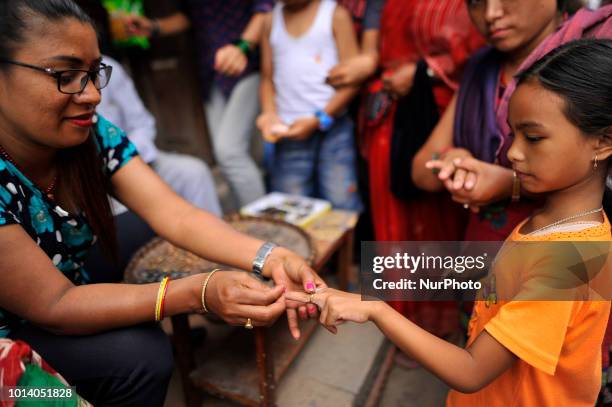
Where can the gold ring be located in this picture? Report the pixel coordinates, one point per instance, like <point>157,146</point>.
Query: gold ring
<point>311,298</point>
<point>249,324</point>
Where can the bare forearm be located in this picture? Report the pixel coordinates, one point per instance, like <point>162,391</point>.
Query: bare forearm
<point>173,24</point>
<point>88,309</point>
<point>254,29</point>
<point>340,100</point>
<point>267,96</point>
<point>452,364</point>
<point>211,238</point>
<point>369,43</point>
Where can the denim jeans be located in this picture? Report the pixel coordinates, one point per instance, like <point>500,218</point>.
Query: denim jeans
<point>322,166</point>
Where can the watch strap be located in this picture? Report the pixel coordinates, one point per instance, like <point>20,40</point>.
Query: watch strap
<point>261,256</point>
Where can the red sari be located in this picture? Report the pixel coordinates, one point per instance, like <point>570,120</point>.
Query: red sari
<point>440,33</point>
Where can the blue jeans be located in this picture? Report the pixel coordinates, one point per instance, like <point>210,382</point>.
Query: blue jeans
<point>322,166</point>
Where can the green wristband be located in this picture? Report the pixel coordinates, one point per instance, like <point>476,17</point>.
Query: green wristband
<point>243,45</point>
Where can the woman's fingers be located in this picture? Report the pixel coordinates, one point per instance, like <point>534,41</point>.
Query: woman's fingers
<point>297,296</point>
<point>292,321</point>
<point>260,296</point>
<point>265,315</point>
<point>470,181</point>
<point>302,312</point>
<point>459,178</point>
<point>312,310</point>
<point>468,164</point>
<point>319,298</point>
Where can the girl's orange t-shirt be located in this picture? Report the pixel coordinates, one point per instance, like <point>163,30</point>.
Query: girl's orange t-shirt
<point>558,343</point>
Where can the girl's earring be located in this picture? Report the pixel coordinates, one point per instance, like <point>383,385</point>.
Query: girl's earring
<point>595,162</point>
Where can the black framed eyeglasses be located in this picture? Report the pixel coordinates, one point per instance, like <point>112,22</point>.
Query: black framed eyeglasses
<point>72,81</point>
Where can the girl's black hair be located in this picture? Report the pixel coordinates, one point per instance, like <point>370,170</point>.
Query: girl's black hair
<point>80,174</point>
<point>580,72</point>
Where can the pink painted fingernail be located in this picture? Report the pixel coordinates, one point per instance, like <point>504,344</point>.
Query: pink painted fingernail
<point>311,309</point>
<point>310,286</point>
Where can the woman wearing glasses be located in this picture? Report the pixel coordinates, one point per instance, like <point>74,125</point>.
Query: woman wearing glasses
<point>58,161</point>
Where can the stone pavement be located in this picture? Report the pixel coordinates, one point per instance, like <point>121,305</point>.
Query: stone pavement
<point>337,371</point>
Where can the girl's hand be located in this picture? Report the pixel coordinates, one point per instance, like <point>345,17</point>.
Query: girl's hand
<point>398,82</point>
<point>336,306</point>
<point>236,296</point>
<point>291,271</point>
<point>271,126</point>
<point>482,184</point>
<point>353,71</point>
<point>230,60</point>
<point>301,129</point>
<point>451,176</point>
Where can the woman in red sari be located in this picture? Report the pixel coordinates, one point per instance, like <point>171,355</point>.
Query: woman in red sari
<point>441,35</point>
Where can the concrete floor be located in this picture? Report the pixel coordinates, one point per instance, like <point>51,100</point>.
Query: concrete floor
<point>337,371</point>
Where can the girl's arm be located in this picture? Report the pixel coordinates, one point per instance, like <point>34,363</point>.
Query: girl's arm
<point>357,69</point>
<point>254,31</point>
<point>467,370</point>
<point>266,87</point>
<point>268,117</point>
<point>346,43</point>
<point>173,24</point>
<point>230,59</point>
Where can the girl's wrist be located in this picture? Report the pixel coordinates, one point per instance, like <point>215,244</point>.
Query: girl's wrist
<point>376,310</point>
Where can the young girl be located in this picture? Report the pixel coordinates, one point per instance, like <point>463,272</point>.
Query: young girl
<point>472,128</point>
<point>306,117</point>
<point>529,353</point>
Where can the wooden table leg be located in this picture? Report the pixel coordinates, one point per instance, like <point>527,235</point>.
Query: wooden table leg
<point>345,260</point>
<point>185,360</point>
<point>265,365</point>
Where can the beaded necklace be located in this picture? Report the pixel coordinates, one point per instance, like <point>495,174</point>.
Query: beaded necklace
<point>48,191</point>
<point>564,220</point>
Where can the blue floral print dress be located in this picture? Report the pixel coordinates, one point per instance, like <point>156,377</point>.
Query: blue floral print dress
<point>65,237</point>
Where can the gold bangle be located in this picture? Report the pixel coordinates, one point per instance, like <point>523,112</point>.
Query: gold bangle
<point>516,187</point>
<point>160,295</point>
<point>204,285</point>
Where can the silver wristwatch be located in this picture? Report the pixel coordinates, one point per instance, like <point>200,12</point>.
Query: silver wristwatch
<point>260,259</point>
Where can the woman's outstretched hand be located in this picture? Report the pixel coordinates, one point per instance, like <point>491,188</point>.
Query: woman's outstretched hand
<point>291,271</point>
<point>236,296</point>
<point>336,306</point>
